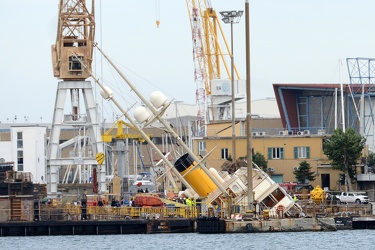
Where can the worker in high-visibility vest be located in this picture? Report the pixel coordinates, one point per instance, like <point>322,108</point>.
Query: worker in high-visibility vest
<point>188,202</point>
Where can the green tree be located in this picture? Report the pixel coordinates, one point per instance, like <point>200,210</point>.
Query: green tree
<point>344,149</point>
<point>259,160</point>
<point>370,161</point>
<point>304,173</point>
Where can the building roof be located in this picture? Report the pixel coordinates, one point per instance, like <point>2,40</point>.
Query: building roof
<point>314,106</point>
<point>264,108</point>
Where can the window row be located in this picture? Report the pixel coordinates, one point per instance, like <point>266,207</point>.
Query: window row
<point>299,153</point>
<point>276,153</point>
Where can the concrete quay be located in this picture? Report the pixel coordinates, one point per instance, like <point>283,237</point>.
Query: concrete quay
<point>271,225</point>
<point>281,225</point>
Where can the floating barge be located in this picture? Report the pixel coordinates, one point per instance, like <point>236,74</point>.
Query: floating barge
<point>131,226</point>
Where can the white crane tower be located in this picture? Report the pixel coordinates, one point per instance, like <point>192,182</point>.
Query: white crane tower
<point>73,48</point>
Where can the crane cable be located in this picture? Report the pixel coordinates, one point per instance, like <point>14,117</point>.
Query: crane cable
<point>157,12</point>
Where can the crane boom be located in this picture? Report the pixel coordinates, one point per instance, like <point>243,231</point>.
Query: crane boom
<point>207,56</point>
<point>200,73</point>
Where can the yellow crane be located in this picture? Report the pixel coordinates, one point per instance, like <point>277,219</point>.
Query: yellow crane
<point>121,166</point>
<point>207,55</point>
<point>120,135</point>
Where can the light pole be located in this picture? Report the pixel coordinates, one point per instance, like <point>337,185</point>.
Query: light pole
<point>249,156</point>
<point>232,17</point>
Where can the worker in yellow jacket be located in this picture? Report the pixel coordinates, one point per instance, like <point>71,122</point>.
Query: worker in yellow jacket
<point>188,202</point>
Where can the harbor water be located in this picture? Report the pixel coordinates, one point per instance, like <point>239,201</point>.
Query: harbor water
<point>344,239</point>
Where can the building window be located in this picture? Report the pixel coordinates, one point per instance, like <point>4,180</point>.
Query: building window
<point>20,160</point>
<point>301,152</point>
<point>303,112</point>
<point>75,63</point>
<point>275,153</point>
<point>324,141</point>
<point>19,140</point>
<point>202,148</point>
<point>157,140</point>
<point>224,153</point>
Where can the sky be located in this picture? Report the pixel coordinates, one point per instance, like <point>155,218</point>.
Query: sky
<point>292,41</point>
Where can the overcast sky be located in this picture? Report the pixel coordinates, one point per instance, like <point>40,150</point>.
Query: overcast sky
<point>292,41</point>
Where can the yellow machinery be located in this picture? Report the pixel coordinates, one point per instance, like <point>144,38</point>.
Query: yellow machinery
<point>318,195</point>
<point>266,214</point>
<point>122,169</point>
<point>197,178</point>
<point>107,137</point>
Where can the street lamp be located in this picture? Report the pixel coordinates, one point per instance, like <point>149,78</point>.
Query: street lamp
<point>249,139</point>
<point>232,17</point>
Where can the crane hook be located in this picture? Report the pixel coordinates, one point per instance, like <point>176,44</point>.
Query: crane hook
<point>157,12</point>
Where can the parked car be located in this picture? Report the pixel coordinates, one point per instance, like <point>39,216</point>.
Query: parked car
<point>353,197</point>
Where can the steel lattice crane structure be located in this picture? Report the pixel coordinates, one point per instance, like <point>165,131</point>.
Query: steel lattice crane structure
<point>208,58</point>
<point>72,55</point>
<point>362,85</point>
<point>74,40</point>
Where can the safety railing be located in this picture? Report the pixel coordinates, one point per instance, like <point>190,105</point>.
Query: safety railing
<point>72,212</point>
<point>142,212</point>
